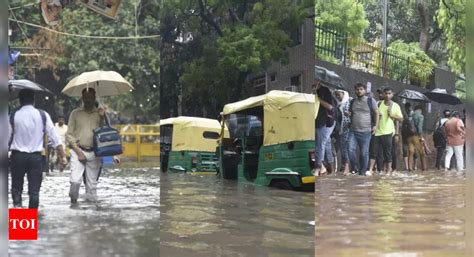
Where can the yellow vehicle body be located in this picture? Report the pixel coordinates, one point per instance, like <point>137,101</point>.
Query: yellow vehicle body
<point>288,116</point>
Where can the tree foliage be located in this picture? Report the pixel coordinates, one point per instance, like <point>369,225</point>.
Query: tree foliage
<point>414,54</point>
<point>347,16</point>
<point>410,21</point>
<point>136,60</point>
<point>209,48</point>
<point>451,17</point>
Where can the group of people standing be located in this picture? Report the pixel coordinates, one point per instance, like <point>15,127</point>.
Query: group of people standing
<point>366,133</point>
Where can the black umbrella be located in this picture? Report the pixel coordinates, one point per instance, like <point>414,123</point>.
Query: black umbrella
<point>15,86</point>
<point>329,78</point>
<point>413,95</point>
<point>440,95</point>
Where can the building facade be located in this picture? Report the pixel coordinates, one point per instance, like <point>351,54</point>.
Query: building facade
<point>298,74</point>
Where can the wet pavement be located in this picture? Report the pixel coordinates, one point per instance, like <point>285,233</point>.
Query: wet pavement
<point>125,221</point>
<point>403,215</point>
<point>203,215</point>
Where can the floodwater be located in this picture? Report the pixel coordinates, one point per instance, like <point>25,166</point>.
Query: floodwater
<point>125,221</point>
<point>403,215</point>
<point>203,215</point>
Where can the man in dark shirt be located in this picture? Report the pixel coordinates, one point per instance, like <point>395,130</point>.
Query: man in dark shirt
<point>325,124</point>
<point>416,141</point>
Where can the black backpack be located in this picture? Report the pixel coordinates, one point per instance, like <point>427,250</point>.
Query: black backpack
<point>408,127</point>
<point>439,136</point>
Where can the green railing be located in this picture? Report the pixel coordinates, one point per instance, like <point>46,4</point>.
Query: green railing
<point>337,47</point>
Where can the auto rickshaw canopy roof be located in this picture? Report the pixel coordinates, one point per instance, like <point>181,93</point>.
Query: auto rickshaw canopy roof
<point>287,116</point>
<point>188,133</point>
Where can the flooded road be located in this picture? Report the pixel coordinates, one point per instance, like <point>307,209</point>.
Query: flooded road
<point>403,215</point>
<point>206,216</point>
<point>125,221</point>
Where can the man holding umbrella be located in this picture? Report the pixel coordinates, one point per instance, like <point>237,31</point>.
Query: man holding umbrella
<point>84,164</point>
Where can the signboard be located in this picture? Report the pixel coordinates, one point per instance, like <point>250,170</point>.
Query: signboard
<point>51,9</point>
<point>107,8</point>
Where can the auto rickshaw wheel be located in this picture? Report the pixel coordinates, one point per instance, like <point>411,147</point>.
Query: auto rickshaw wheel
<point>281,184</point>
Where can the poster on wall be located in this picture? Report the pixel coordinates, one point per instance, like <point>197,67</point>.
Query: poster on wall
<point>107,8</point>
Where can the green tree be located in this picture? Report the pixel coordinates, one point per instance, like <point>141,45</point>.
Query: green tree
<point>209,48</point>
<point>137,60</point>
<point>347,16</point>
<point>412,53</point>
<point>409,21</point>
<point>451,18</point>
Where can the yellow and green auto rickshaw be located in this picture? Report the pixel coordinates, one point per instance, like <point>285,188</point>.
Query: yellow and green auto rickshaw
<point>271,140</point>
<point>188,144</point>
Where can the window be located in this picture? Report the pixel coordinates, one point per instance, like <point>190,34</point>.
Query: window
<point>295,84</point>
<point>295,81</point>
<point>210,135</point>
<point>272,77</point>
<point>297,36</point>
<point>259,85</point>
<point>259,81</point>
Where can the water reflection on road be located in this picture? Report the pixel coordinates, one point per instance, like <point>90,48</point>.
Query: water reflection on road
<point>125,221</point>
<point>404,215</point>
<point>205,216</point>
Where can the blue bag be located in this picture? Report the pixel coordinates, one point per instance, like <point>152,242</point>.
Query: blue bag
<point>107,141</point>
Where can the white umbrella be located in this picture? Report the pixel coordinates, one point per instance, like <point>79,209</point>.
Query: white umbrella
<point>105,83</point>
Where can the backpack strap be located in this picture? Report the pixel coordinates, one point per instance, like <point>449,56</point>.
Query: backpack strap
<point>43,118</point>
<point>12,124</point>
<point>372,109</point>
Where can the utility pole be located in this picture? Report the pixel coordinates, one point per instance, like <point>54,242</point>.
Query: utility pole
<point>384,38</point>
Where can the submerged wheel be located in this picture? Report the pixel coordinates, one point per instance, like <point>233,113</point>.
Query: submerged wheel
<point>282,184</point>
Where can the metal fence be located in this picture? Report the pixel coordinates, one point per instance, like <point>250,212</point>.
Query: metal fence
<point>337,47</point>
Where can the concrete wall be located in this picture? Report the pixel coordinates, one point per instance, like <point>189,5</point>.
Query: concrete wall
<point>442,79</point>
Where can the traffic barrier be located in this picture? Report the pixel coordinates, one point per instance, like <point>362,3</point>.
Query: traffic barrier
<point>140,141</point>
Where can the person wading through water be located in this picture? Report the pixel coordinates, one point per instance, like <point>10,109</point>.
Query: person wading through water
<point>28,127</point>
<point>364,121</point>
<point>389,113</point>
<point>84,164</point>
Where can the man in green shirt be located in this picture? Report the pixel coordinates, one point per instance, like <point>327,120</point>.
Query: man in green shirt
<point>389,113</point>
<point>416,141</point>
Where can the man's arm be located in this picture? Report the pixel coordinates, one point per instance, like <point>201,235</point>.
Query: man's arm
<point>376,113</point>
<point>325,104</point>
<point>71,126</point>
<point>51,131</point>
<point>421,121</point>
<point>53,136</point>
<point>397,115</point>
<point>460,126</point>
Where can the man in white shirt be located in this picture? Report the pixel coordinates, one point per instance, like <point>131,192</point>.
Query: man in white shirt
<point>61,129</point>
<point>28,126</point>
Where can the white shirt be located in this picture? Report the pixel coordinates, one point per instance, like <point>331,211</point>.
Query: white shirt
<point>28,135</point>
<point>442,121</point>
<point>61,130</point>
